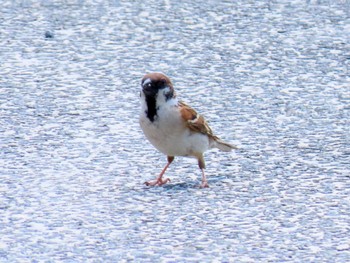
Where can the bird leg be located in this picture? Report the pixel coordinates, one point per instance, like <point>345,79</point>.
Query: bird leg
<point>204,183</point>
<point>201,165</point>
<point>159,180</point>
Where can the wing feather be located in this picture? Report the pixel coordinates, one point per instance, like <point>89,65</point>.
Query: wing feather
<point>194,121</point>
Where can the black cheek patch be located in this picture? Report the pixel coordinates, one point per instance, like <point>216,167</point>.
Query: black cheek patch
<point>169,95</point>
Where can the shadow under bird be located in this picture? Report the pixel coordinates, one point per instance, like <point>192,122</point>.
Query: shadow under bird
<point>174,128</point>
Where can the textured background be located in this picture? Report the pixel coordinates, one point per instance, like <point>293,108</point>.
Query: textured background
<point>271,76</point>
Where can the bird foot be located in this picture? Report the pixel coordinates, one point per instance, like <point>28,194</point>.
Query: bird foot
<point>158,182</point>
<point>204,185</point>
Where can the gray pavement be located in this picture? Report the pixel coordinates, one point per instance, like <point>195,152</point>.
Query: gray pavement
<point>270,76</point>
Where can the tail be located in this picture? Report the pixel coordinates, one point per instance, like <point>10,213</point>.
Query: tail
<point>223,146</point>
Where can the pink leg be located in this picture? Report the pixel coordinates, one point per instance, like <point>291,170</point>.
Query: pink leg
<point>204,183</point>
<point>201,165</point>
<point>160,181</point>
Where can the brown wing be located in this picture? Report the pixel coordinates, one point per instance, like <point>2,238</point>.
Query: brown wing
<point>194,121</point>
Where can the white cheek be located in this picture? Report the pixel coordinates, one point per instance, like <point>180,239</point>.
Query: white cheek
<point>161,96</point>
<point>143,101</point>
<point>142,95</point>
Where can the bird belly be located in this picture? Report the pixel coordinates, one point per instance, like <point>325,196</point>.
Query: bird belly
<point>184,145</point>
<point>173,139</point>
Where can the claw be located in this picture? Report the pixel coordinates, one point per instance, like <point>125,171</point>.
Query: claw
<point>158,182</point>
<point>204,185</point>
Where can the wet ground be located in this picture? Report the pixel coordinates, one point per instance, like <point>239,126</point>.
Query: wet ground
<point>270,76</point>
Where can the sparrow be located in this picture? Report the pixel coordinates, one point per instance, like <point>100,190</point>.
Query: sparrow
<point>173,127</point>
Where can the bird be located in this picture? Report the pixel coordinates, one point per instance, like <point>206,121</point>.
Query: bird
<point>173,127</point>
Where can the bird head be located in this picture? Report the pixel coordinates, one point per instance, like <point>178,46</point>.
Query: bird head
<point>157,86</point>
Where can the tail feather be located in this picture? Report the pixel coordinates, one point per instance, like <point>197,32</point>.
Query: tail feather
<point>224,146</point>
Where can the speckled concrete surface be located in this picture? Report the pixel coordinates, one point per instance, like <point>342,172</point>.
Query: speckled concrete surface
<point>270,76</point>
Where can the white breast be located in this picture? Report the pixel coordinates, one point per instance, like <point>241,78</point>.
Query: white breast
<point>169,134</point>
